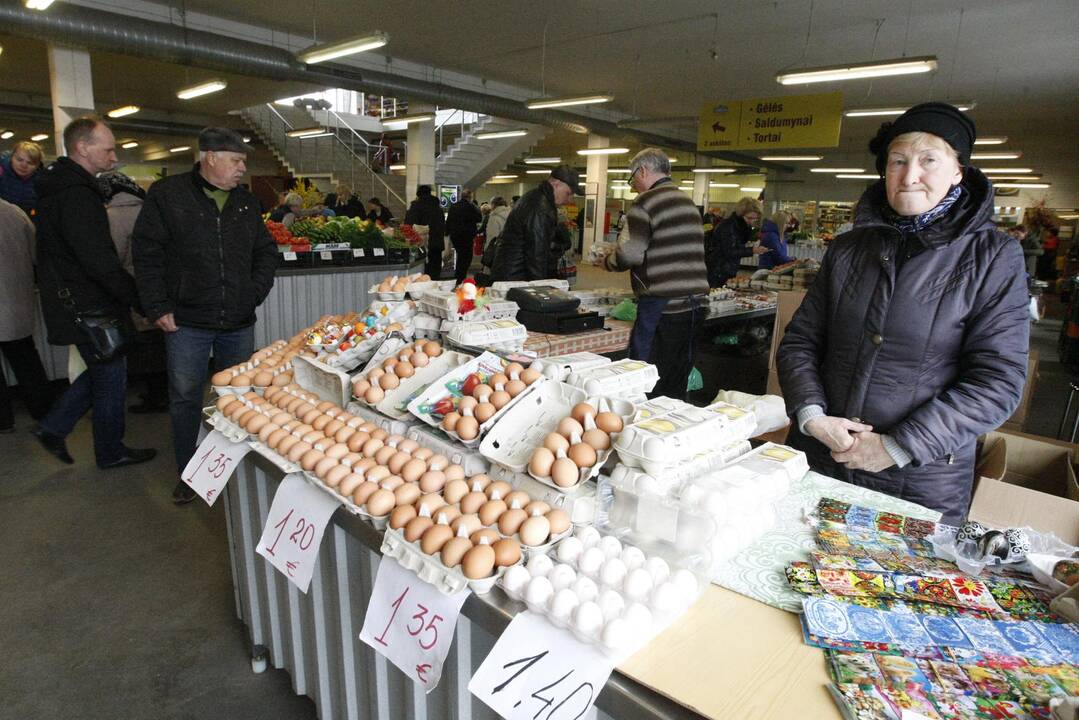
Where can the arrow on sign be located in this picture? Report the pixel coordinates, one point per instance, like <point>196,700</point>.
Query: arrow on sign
<point>421,670</point>
<point>717,128</point>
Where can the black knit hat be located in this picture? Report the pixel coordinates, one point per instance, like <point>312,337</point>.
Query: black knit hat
<point>936,118</point>
<point>219,139</point>
<point>567,175</point>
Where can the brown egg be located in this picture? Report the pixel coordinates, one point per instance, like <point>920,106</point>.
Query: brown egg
<point>405,354</point>
<point>581,410</point>
<point>432,481</point>
<point>371,447</point>
<point>541,463</point>
<point>419,360</point>
<point>332,426</point>
<point>298,450</point>
<point>568,427</point>
<point>484,412</point>
<point>378,473</point>
<point>431,501</point>
<point>416,527</point>
<point>276,437</point>
<point>485,534</point>
<point>337,450</point>
<point>518,497</point>
<point>514,370</point>
<point>466,524</point>
<point>530,375</point>
<point>362,490</point>
<point>511,520</point>
<point>311,416</point>
<point>335,475</point>
<point>374,395</point>
<point>479,562</point>
<point>423,453</point>
<point>432,348</point>
<point>413,469</point>
<point>380,503</point>
<point>559,520</point>
<point>408,445</point>
<point>292,404</point>
<point>357,440</point>
<point>394,440</point>
<point>375,374</point>
<point>479,482</point>
<point>324,406</point>
<point>222,402</point>
<point>454,472</point>
<point>379,433</point>
<point>343,433</point>
<point>434,538</point>
<point>446,514</point>
<point>284,445</point>
<point>255,424</point>
<point>555,442</point>
<point>389,382</point>
<point>454,490</point>
<point>382,457</point>
<point>404,370</point>
<point>322,422</point>
<point>243,417</point>
<point>222,378</point>
<point>499,378</point>
<point>565,472</point>
<point>401,515</point>
<point>362,466</point>
<point>515,387</point>
<point>334,412</point>
<point>313,437</point>
<point>490,511</point>
<point>482,393</point>
<point>597,438</point>
<point>537,507</point>
<point>498,490</point>
<point>351,459</point>
<point>280,418</point>
<point>467,405</point>
<point>241,380</point>
<point>271,392</point>
<point>582,454</point>
<point>406,493</point>
<point>323,466</point>
<point>507,551</point>
<point>471,502</point>
<point>398,461</point>
<point>388,365</point>
<point>282,379</point>
<point>311,458</point>
<point>302,429</point>
<point>609,422</point>
<point>303,409</point>
<point>449,422</point>
<point>454,550</point>
<point>391,482</point>
<point>535,530</point>
<point>499,399</point>
<point>468,428</point>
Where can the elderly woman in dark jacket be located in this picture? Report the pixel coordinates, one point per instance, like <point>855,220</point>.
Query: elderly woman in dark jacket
<point>913,339</point>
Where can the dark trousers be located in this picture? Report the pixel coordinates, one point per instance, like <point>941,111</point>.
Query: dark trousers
<point>103,387</point>
<point>433,266</point>
<point>189,352</point>
<point>462,248</point>
<point>34,388</point>
<point>146,362</point>
<point>666,341</point>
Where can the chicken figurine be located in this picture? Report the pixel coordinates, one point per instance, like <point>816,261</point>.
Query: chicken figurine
<point>469,297</point>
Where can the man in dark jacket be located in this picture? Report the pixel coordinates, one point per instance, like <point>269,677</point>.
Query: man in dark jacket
<point>82,276</point>
<point>203,261</point>
<point>425,210</point>
<point>461,223</point>
<point>728,243</point>
<point>529,248</point>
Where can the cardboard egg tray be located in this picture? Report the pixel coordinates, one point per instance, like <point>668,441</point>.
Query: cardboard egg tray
<point>617,379</point>
<point>226,427</point>
<point>472,462</point>
<point>560,366</point>
<point>223,390</point>
<point>430,568</point>
<point>390,425</point>
<point>623,409</point>
<point>579,503</point>
<point>395,402</point>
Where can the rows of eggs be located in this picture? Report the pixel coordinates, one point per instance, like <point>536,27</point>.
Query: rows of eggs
<point>400,284</point>
<point>575,445</point>
<point>373,385</point>
<point>488,398</point>
<point>270,366</point>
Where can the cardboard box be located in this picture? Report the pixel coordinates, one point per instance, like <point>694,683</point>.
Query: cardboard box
<point>773,383</point>
<point>1019,418</point>
<point>788,302</point>
<point>1024,480</point>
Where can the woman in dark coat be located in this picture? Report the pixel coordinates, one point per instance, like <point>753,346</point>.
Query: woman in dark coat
<point>913,339</point>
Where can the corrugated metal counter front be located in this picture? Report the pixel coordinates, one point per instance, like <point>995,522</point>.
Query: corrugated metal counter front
<point>315,637</point>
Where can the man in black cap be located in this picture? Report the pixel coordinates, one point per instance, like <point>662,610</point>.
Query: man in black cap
<point>203,262</point>
<point>531,245</point>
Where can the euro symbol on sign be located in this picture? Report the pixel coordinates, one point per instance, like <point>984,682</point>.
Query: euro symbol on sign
<point>717,128</point>
<point>420,670</point>
<point>291,566</point>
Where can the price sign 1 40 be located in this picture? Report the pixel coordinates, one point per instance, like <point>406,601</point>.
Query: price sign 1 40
<point>212,465</point>
<point>294,527</point>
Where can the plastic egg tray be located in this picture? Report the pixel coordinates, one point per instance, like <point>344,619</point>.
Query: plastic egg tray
<point>430,568</point>
<point>395,402</point>
<point>505,334</point>
<point>390,345</point>
<point>618,379</point>
<point>417,290</point>
<point>660,441</point>
<point>226,427</point>
<point>560,366</point>
<point>470,460</point>
<point>510,443</point>
<point>580,502</point>
<point>223,390</point>
<point>427,326</point>
<point>685,525</point>
<point>672,478</point>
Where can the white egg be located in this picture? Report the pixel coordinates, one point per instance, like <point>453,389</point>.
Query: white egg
<point>613,573</point>
<point>616,634</point>
<point>716,504</point>
<point>611,603</point>
<point>540,565</point>
<point>588,536</point>
<point>585,588</point>
<point>686,582</point>
<point>587,618</point>
<point>568,550</point>
<point>515,579</point>
<point>539,591</point>
<point>665,598</point>
<point>639,618</point>
<point>632,557</point>
<point>658,568</point>
<point>638,584</point>
<point>590,560</point>
<point>564,602</point>
<point>610,546</point>
<point>562,576</point>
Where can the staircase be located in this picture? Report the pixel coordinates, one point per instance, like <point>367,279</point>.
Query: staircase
<point>343,155</point>
<point>470,162</point>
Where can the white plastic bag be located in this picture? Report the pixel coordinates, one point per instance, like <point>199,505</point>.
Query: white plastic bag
<point>770,410</point>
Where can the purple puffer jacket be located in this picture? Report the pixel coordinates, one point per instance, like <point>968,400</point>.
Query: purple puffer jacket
<point>932,354</point>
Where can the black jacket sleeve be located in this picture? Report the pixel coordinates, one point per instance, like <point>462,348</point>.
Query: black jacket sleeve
<point>263,262</point>
<point>540,232</point>
<point>85,225</point>
<point>149,239</point>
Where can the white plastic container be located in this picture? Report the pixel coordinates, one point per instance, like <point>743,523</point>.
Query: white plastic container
<point>621,506</point>
<point>502,334</point>
<point>659,442</point>
<point>511,441</point>
<point>395,403</point>
<point>226,427</point>
<point>618,379</point>
<point>390,311</point>
<point>770,467</point>
<point>672,477</point>
<point>416,290</point>
<point>430,568</point>
<point>427,326</point>
<point>559,366</point>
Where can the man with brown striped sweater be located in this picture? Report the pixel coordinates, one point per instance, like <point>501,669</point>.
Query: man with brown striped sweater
<point>663,248</point>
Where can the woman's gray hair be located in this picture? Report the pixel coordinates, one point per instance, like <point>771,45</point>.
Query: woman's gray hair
<point>498,201</point>
<point>653,159</point>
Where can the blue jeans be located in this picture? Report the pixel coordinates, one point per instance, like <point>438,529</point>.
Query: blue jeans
<point>103,387</point>
<point>188,351</point>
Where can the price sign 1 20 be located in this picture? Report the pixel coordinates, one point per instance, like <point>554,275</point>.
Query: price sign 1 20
<point>411,622</point>
<point>212,464</point>
<point>539,672</point>
<point>294,527</point>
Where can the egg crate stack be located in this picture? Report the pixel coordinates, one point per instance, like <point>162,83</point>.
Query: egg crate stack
<point>614,595</point>
<point>627,379</point>
<point>269,367</point>
<point>427,326</point>
<point>674,476</point>
<point>375,384</point>
<point>505,335</point>
<point>394,287</point>
<point>447,305</point>
<point>558,367</point>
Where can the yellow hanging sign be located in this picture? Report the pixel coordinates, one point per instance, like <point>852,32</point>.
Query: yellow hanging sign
<point>789,121</point>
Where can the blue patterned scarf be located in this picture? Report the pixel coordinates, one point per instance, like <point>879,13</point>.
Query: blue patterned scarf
<point>909,224</point>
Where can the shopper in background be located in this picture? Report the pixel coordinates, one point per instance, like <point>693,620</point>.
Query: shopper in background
<point>461,223</point>
<point>204,261</point>
<point>529,249</point>
<point>17,171</point>
<point>663,249</point>
<point>81,276</point>
<point>913,339</point>
<point>1047,263</point>
<point>17,318</point>
<point>492,232</point>
<point>729,242</point>
<point>377,211</point>
<point>293,210</point>
<point>774,238</point>
<point>344,203</point>
<point>425,210</point>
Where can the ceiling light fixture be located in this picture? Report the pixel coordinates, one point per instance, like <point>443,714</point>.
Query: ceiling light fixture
<point>1017,178</point>
<point>883,111</point>
<point>401,121</point>
<point>1069,216</point>
<point>206,88</point>
<point>398,167</point>
<point>306,132</point>
<point>500,134</point>
<point>837,170</point>
<point>543,103</point>
<point>1023,185</point>
<point>792,158</point>
<point>617,170</point>
<point>537,172</point>
<point>325,133</point>
<point>996,156</point>
<point>39,137</point>
<point>990,171</point>
<point>180,149</point>
<point>129,144</point>
<point>38,4</point>
<point>991,140</point>
<point>714,170</point>
<point>750,189</point>
<point>542,160</point>
<point>858,71</point>
<point>332,51</point>
<point>123,111</point>
<point>722,185</point>
<point>853,176</point>
<point>604,151</point>
<point>7,135</point>
<point>504,177</point>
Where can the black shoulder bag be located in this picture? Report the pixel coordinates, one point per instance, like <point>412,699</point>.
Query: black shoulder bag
<point>105,333</point>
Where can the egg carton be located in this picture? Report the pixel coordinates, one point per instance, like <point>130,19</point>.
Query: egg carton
<point>472,462</point>
<point>417,290</point>
<point>226,427</point>
<point>486,364</point>
<point>673,477</point>
<point>427,326</point>
<point>504,335</point>
<point>673,519</point>
<point>559,366</point>
<point>359,353</point>
<point>390,425</point>
<point>430,569</point>
<point>770,467</point>
<point>580,503</point>
<point>618,379</point>
<point>485,427</point>
<point>390,345</point>
<point>389,311</point>
<point>511,441</point>
<point>387,296</point>
<point>499,289</point>
<point>394,403</point>
<point>223,390</point>
<point>660,441</point>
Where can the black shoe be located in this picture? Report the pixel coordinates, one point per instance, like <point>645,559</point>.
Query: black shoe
<point>131,456</point>
<point>145,407</point>
<point>182,494</point>
<point>54,444</point>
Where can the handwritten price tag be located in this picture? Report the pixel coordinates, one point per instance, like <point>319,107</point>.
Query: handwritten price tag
<point>411,623</point>
<point>212,464</point>
<point>293,533</point>
<point>289,256</point>
<point>379,252</point>
<point>326,255</point>
<point>357,253</point>
<point>539,672</point>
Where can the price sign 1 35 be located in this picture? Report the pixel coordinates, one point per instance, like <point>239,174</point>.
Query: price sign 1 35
<point>212,465</point>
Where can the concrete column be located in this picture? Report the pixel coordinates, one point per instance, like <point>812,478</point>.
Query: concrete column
<point>420,158</point>
<point>595,192</point>
<point>71,86</point>
<point>700,190</point>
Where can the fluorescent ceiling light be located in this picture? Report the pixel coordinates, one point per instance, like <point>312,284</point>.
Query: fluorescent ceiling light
<point>672,160</point>
<point>1018,178</point>
<point>857,71</point>
<point>1022,185</point>
<point>332,51</point>
<point>405,120</point>
<point>541,103</point>
<point>39,137</point>
<point>750,189</point>
<point>130,144</point>
<point>500,134</point>
<point>714,170</point>
<point>792,158</point>
<point>1069,216</point>
<point>884,111</point>
<point>7,135</point>
<point>837,170</point>
<point>853,176</point>
<point>123,111</point>
<point>604,151</point>
<point>991,140</point>
<point>180,149</point>
<point>537,172</point>
<point>305,132</point>
<point>996,156</point>
<point>618,170</point>
<point>990,171</point>
<point>201,89</point>
<point>38,4</point>
<point>688,182</point>
<point>398,167</point>
<point>542,160</point>
<point>722,185</point>
<point>504,177</point>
